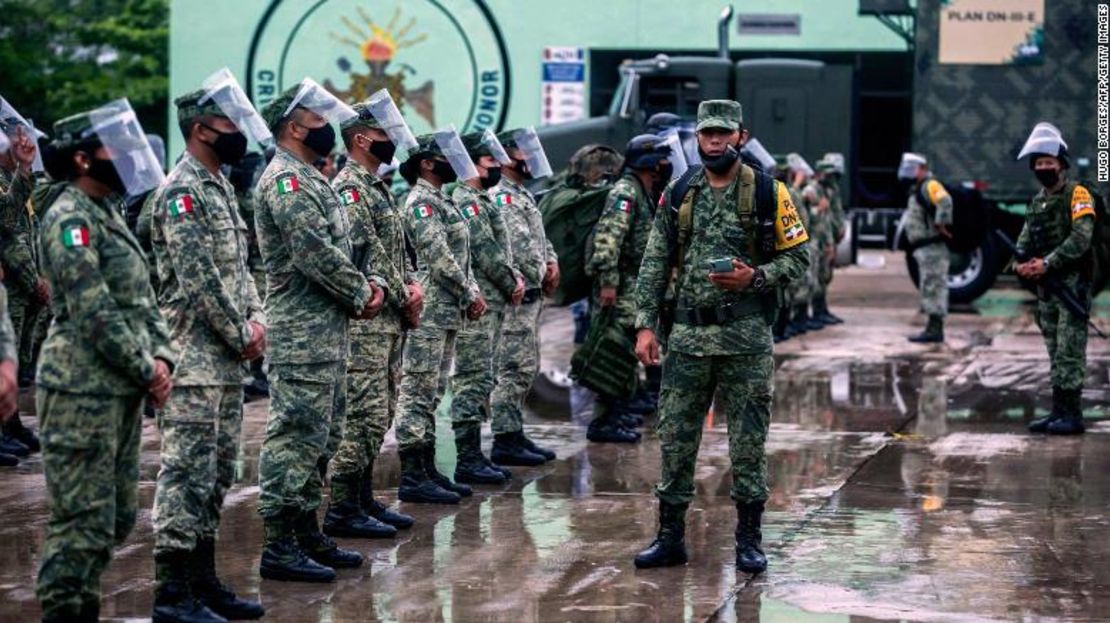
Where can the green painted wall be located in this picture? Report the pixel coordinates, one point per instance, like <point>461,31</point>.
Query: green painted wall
<point>454,54</point>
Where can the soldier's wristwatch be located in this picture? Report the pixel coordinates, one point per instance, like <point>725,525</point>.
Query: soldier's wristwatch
<point>759,281</point>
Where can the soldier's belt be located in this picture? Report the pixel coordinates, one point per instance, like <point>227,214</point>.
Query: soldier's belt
<point>531,295</point>
<point>707,316</point>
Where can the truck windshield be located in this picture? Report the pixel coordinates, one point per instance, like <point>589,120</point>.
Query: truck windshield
<point>623,97</point>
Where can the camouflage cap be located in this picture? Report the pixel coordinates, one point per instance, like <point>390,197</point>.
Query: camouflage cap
<point>189,106</point>
<point>364,119</point>
<point>72,130</point>
<point>723,114</point>
<point>475,146</point>
<point>595,162</point>
<point>274,112</point>
<point>426,145</point>
<point>826,166</point>
<point>781,162</point>
<point>507,138</point>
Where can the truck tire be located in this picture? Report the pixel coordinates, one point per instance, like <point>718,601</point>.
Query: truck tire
<point>970,275</point>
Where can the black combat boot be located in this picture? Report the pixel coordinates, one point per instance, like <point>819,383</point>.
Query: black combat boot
<point>501,468</point>
<point>16,430</point>
<point>471,466</point>
<point>669,547</point>
<point>821,311</point>
<point>630,421</point>
<point>416,486</point>
<point>508,450</point>
<point>1040,425</point>
<point>782,320</point>
<point>799,321</point>
<point>212,592</point>
<point>321,548</point>
<point>11,445</point>
<point>437,477</point>
<point>813,323</point>
<point>530,446</point>
<point>1071,422</point>
<point>345,517</point>
<point>749,538</point>
<point>608,428</point>
<point>174,601</point>
<point>8,460</point>
<point>376,509</point>
<point>284,560</point>
<point>933,333</point>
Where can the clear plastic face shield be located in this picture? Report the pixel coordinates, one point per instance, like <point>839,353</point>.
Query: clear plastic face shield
<point>489,139</point>
<point>907,170</point>
<point>388,116</point>
<point>798,163</point>
<point>1044,139</point>
<point>118,129</point>
<point>450,143</point>
<point>5,144</point>
<point>676,155</point>
<point>837,160</point>
<point>222,88</point>
<point>755,150</point>
<point>534,157</point>
<point>312,96</point>
<point>8,113</point>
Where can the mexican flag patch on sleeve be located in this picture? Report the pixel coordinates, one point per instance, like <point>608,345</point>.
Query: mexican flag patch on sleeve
<point>624,204</point>
<point>504,199</point>
<point>288,185</point>
<point>422,211</point>
<point>349,196</point>
<point>181,206</point>
<point>472,210</point>
<point>75,236</point>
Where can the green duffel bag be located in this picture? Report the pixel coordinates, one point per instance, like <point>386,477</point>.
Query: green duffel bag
<point>606,363</point>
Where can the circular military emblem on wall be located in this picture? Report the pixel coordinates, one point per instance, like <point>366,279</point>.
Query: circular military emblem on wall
<point>443,61</point>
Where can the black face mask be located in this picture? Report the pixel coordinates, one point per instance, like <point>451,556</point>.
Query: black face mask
<point>664,173</point>
<point>230,147</point>
<point>383,151</point>
<point>720,164</point>
<point>105,172</point>
<point>321,140</point>
<point>492,178</point>
<point>1047,177</point>
<point>443,171</point>
<point>521,167</point>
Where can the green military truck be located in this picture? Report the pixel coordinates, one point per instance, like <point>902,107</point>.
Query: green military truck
<point>969,117</point>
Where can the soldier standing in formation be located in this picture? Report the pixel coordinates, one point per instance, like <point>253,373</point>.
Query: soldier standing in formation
<point>210,302</point>
<point>312,289</point>
<point>927,221</point>
<point>1056,238</point>
<point>374,364</point>
<point>722,334</point>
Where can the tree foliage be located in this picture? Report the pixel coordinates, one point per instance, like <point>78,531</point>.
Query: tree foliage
<point>60,57</point>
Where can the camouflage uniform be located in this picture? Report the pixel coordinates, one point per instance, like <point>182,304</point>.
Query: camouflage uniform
<point>438,231</point>
<point>8,351</point>
<point>932,259</point>
<point>1059,228</point>
<point>208,297</point>
<point>735,354</point>
<point>518,352</point>
<point>312,287</point>
<point>822,236</point>
<point>798,291</point>
<point>96,365</point>
<point>491,259</point>
<point>619,240</point>
<point>374,365</point>
<point>20,258</point>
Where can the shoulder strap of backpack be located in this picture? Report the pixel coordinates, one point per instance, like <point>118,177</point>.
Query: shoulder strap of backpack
<point>682,202</point>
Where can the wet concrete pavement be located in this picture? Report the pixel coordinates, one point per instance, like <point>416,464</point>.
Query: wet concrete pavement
<point>903,488</point>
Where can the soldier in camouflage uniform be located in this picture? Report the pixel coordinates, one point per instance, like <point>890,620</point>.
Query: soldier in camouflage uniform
<point>209,299</point>
<point>798,290</point>
<point>9,362</point>
<point>722,336</point>
<point>827,177</point>
<point>438,231</point>
<point>243,177</point>
<point>374,365</point>
<point>28,294</point>
<point>928,217</point>
<point>618,245</point>
<point>312,287</point>
<point>491,259</point>
<point>1056,239</point>
<point>815,203</point>
<point>518,351</point>
<point>107,349</point>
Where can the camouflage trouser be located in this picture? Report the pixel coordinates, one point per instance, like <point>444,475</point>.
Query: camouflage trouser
<point>200,447</point>
<point>689,384</point>
<point>308,403</point>
<point>1065,337</point>
<point>518,362</point>
<point>799,291</point>
<point>932,262</point>
<point>30,321</point>
<point>427,362</point>
<point>472,382</point>
<point>373,380</point>
<point>90,456</point>
<point>824,273</point>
